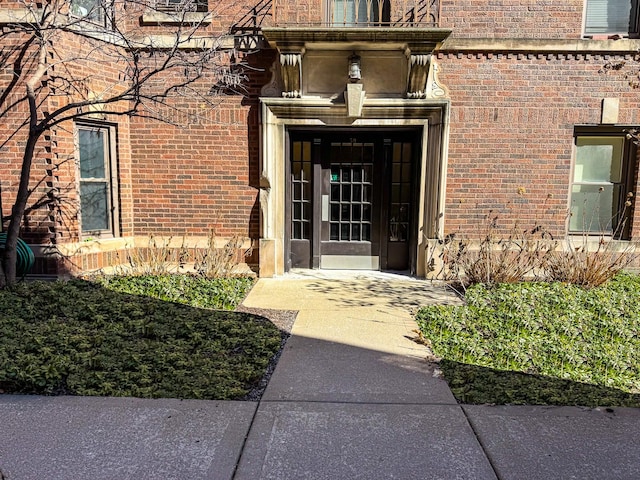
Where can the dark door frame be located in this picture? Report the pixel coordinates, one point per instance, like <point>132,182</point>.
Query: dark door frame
<point>380,134</point>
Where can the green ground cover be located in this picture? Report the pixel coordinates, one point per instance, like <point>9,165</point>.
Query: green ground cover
<point>540,343</point>
<point>136,336</point>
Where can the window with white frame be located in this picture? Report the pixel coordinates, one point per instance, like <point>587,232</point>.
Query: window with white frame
<point>611,17</point>
<point>602,178</point>
<point>97,180</point>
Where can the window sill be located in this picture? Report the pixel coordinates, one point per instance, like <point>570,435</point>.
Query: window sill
<point>178,18</point>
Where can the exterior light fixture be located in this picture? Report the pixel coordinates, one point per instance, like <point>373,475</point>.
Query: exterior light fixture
<point>354,68</point>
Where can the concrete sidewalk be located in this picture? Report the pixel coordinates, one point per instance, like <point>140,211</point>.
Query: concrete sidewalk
<point>352,397</point>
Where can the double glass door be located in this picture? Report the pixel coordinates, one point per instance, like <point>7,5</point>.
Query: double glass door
<point>350,201</point>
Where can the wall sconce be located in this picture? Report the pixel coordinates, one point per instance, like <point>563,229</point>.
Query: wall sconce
<point>354,68</point>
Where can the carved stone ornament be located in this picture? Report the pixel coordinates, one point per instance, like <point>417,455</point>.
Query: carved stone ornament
<point>418,75</point>
<point>291,64</point>
<point>274,87</point>
<point>435,89</point>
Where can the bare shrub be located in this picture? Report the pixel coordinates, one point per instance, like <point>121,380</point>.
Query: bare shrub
<point>158,257</point>
<point>216,262</point>
<point>590,260</point>
<point>495,257</point>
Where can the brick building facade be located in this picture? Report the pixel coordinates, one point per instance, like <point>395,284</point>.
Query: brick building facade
<point>361,131</point>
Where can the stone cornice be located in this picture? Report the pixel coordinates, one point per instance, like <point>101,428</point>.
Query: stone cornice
<point>622,46</point>
<point>333,38</point>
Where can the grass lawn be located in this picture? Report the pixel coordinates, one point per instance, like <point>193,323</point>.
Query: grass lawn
<point>113,338</point>
<point>541,343</point>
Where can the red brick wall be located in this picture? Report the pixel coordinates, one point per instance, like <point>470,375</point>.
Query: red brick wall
<point>302,12</point>
<point>512,18</point>
<point>203,171</point>
<point>512,123</point>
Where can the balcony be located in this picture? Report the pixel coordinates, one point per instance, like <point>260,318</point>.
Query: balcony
<point>356,13</point>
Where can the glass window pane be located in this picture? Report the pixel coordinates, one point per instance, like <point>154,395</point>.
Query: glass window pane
<point>366,213</point>
<point>356,213</point>
<point>396,174</point>
<point>297,230</point>
<point>334,232</point>
<point>346,193</point>
<point>306,211</point>
<point>355,232</point>
<point>357,174</point>
<point>346,174</point>
<point>593,208</point>
<point>335,193</point>
<point>306,151</point>
<point>366,173</point>
<point>306,230</point>
<point>297,211</point>
<point>344,231</point>
<point>366,232</point>
<point>406,152</point>
<point>297,151</point>
<point>297,191</point>
<point>404,193</point>
<point>598,159</point>
<point>406,173</point>
<point>397,152</point>
<point>366,193</point>
<point>395,193</point>
<point>345,216</point>
<point>94,206</point>
<point>296,167</point>
<point>306,191</point>
<point>335,211</point>
<point>356,194</point>
<point>92,155</point>
<point>307,171</point>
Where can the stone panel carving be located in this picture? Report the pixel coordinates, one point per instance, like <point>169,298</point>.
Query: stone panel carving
<point>291,64</point>
<point>418,75</point>
<point>274,87</point>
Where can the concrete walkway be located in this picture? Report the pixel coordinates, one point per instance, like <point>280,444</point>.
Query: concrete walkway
<point>352,397</point>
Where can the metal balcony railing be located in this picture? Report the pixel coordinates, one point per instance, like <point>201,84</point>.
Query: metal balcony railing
<point>358,13</point>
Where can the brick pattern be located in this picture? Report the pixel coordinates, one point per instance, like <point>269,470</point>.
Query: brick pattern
<point>512,18</point>
<point>512,122</point>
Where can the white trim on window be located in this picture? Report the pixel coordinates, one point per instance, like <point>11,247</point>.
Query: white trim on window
<point>97,180</point>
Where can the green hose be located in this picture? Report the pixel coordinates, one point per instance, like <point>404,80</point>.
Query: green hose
<point>24,255</point>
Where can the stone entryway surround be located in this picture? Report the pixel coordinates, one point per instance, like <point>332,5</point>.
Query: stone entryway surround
<point>311,90</point>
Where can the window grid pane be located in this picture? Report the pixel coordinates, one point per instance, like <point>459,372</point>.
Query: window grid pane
<point>301,190</point>
<point>351,192</point>
<point>400,191</point>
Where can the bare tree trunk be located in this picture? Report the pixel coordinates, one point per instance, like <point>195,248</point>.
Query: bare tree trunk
<point>17,212</point>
